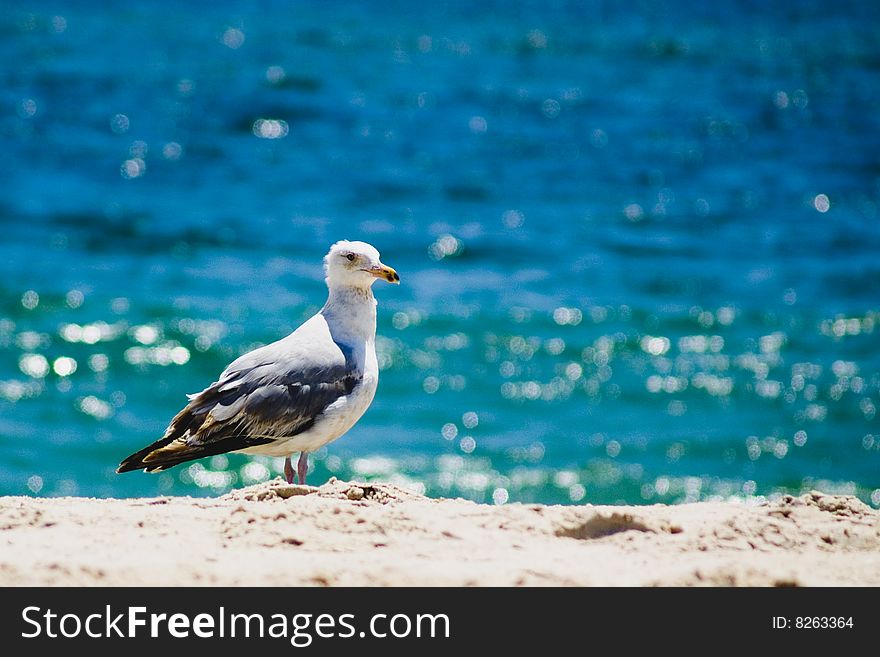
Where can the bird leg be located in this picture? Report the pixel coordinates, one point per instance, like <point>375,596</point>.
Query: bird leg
<point>302,466</point>
<point>288,470</point>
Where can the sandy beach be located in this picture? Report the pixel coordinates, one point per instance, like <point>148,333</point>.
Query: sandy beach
<point>344,533</point>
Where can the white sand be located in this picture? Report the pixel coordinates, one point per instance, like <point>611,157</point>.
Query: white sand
<point>377,534</point>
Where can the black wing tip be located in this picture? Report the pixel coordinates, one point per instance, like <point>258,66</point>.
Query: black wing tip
<point>140,460</point>
<point>130,464</point>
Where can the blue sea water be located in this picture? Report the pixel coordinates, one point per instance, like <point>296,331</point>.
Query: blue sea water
<point>638,242</point>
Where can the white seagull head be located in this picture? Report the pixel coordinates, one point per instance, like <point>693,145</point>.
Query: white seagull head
<point>356,264</point>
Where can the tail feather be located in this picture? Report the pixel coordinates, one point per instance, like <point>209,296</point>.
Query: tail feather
<point>195,432</point>
<point>166,453</point>
<point>178,445</point>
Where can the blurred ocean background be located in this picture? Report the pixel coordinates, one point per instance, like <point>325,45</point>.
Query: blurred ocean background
<point>639,242</point>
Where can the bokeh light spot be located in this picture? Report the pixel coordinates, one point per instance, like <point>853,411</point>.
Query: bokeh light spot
<point>233,38</point>
<point>119,124</point>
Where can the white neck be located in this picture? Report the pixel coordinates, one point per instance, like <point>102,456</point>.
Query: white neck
<point>351,314</point>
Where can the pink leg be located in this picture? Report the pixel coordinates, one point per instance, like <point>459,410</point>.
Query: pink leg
<point>302,466</point>
<point>288,470</point>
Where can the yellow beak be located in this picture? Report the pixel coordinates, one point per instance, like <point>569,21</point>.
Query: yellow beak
<point>384,272</point>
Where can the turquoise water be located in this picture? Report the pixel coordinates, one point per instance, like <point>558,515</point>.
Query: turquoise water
<point>638,245</point>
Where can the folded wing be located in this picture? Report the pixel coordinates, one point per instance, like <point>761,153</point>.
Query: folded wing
<point>269,394</point>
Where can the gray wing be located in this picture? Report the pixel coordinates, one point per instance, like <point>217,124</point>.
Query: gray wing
<point>277,391</point>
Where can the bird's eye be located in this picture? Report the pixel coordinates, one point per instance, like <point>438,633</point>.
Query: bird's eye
<point>350,257</point>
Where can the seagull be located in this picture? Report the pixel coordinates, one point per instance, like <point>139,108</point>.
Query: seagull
<point>296,394</point>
